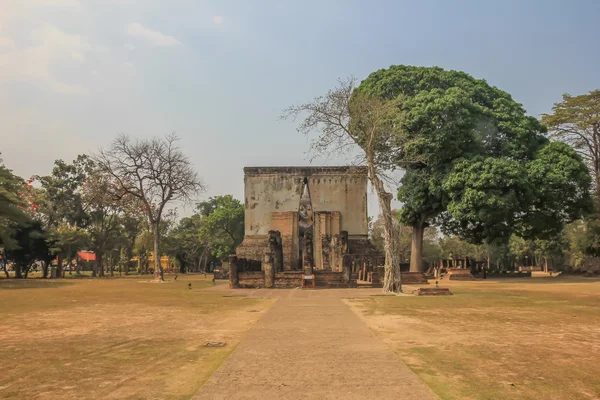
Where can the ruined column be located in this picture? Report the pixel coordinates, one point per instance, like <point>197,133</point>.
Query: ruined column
<point>234,280</point>
<point>276,248</point>
<point>269,269</point>
<point>347,267</point>
<point>307,254</point>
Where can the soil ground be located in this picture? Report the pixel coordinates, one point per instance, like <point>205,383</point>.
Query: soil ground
<point>116,338</point>
<point>506,339</point>
<point>130,339</point>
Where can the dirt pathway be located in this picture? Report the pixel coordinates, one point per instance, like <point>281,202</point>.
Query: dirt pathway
<point>310,345</point>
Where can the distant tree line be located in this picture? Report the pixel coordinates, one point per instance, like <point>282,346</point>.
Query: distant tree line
<point>114,204</point>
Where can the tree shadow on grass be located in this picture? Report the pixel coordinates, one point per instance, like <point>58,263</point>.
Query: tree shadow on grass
<point>11,284</point>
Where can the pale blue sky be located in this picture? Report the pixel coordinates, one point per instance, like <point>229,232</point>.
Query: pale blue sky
<point>74,73</point>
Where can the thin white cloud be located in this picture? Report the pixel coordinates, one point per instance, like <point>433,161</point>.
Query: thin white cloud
<point>129,46</point>
<point>57,3</point>
<point>35,64</point>
<point>77,56</point>
<point>154,37</point>
<point>6,42</point>
<point>218,20</point>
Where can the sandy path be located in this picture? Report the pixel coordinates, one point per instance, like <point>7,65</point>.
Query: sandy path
<point>310,345</point>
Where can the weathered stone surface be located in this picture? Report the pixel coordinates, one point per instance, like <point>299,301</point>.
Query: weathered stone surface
<point>276,249</point>
<point>432,292</point>
<point>278,189</point>
<point>310,345</point>
<point>308,218</point>
<point>269,270</point>
<point>288,280</point>
<point>252,279</point>
<point>458,274</point>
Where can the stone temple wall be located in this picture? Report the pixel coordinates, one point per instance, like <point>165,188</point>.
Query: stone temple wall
<point>269,190</point>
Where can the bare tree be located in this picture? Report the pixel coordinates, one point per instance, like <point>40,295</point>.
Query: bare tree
<point>156,172</point>
<point>576,121</point>
<point>348,120</point>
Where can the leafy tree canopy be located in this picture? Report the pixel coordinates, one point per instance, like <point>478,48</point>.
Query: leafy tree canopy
<point>11,206</point>
<point>222,226</point>
<point>475,160</point>
<point>446,116</point>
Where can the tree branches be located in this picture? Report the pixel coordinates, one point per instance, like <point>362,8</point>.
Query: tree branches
<point>156,172</point>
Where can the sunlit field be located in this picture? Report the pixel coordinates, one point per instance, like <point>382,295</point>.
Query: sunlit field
<point>532,339</point>
<point>116,338</point>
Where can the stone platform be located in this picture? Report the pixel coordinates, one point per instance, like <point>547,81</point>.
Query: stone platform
<point>432,292</point>
<point>457,274</point>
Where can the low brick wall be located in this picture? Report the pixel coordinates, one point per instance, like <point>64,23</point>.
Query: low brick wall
<point>288,280</point>
<point>283,280</point>
<point>253,279</point>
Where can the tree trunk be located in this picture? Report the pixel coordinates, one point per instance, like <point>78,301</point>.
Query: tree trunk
<point>546,264</point>
<point>59,261</point>
<point>5,270</point>
<point>99,268</point>
<point>44,269</point>
<point>416,250</point>
<point>392,281</point>
<point>158,271</point>
<point>18,273</point>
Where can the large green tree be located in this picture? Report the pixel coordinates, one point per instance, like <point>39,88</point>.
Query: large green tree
<point>222,224</point>
<point>491,198</point>
<point>11,206</point>
<point>185,243</point>
<point>456,128</point>
<point>31,246</point>
<point>105,207</point>
<point>61,208</point>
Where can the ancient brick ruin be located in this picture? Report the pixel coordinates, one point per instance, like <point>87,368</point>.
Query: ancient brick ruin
<point>303,224</point>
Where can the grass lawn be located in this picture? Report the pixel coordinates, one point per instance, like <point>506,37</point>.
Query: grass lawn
<point>116,338</point>
<point>525,339</point>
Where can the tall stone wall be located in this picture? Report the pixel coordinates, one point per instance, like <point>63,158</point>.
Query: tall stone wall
<point>271,190</point>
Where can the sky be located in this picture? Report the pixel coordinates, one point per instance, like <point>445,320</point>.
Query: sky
<point>75,73</point>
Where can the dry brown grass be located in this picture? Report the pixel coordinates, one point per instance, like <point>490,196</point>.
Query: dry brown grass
<point>115,338</point>
<point>536,339</point>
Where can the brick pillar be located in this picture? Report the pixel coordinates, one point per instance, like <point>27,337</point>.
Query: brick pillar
<point>234,280</point>
<point>347,267</point>
<point>278,255</point>
<point>269,269</point>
